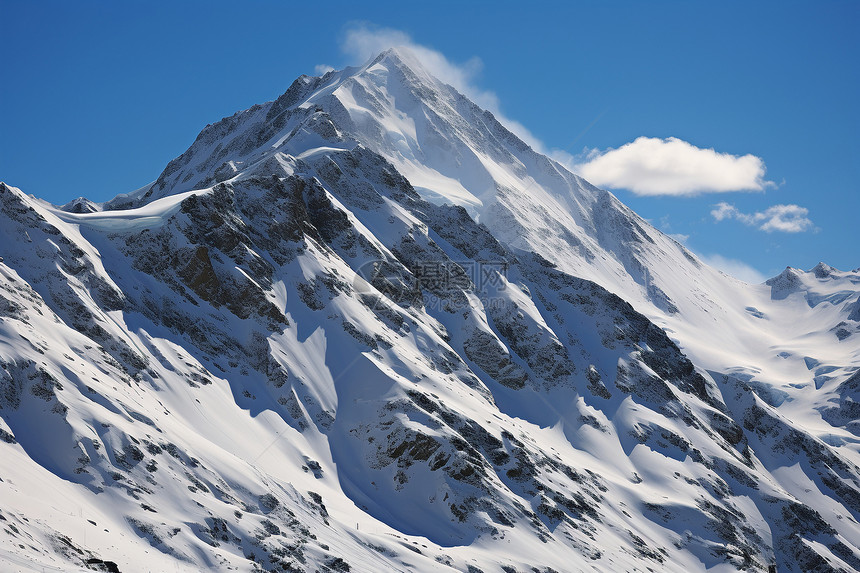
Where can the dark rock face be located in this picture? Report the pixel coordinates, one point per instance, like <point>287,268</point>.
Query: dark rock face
<point>80,205</point>
<point>490,355</point>
<point>66,278</point>
<point>784,284</point>
<point>846,413</point>
<point>855,312</point>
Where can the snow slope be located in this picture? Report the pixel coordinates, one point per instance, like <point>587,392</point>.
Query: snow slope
<point>364,326</point>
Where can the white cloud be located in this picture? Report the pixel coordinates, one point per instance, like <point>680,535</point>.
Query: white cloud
<point>723,210</point>
<point>322,69</point>
<point>363,41</point>
<point>784,218</point>
<point>735,268</point>
<point>654,166</point>
<point>567,159</point>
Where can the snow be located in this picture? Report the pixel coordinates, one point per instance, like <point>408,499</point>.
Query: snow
<point>151,215</point>
<point>160,397</point>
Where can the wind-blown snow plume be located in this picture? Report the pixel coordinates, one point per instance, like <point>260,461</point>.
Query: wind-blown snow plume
<point>735,268</point>
<point>364,41</point>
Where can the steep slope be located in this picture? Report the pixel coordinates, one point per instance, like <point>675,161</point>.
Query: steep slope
<point>452,152</point>
<point>299,349</point>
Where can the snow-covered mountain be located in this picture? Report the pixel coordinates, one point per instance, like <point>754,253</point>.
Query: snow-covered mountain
<point>365,327</point>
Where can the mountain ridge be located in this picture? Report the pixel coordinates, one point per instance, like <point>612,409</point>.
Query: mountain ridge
<point>370,345</point>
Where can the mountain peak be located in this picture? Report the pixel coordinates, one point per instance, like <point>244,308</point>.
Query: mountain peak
<point>399,55</point>
<point>365,316</point>
<point>822,270</point>
<point>411,72</point>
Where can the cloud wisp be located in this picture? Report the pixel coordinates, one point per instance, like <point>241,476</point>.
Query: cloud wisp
<point>363,41</point>
<point>782,218</point>
<point>653,166</point>
<point>733,267</point>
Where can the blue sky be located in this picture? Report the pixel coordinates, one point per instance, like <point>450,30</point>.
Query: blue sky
<point>95,99</point>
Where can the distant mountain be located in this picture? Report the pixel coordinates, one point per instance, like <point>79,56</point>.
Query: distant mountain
<point>365,327</point>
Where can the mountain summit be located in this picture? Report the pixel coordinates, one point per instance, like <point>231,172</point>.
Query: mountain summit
<point>365,326</point>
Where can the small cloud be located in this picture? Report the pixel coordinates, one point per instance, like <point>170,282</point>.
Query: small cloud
<point>322,69</point>
<point>783,218</point>
<point>363,41</point>
<point>666,227</point>
<point>567,159</point>
<point>735,268</point>
<point>654,166</point>
<point>723,210</point>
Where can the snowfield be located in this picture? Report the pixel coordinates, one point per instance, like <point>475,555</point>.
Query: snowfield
<point>364,327</point>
